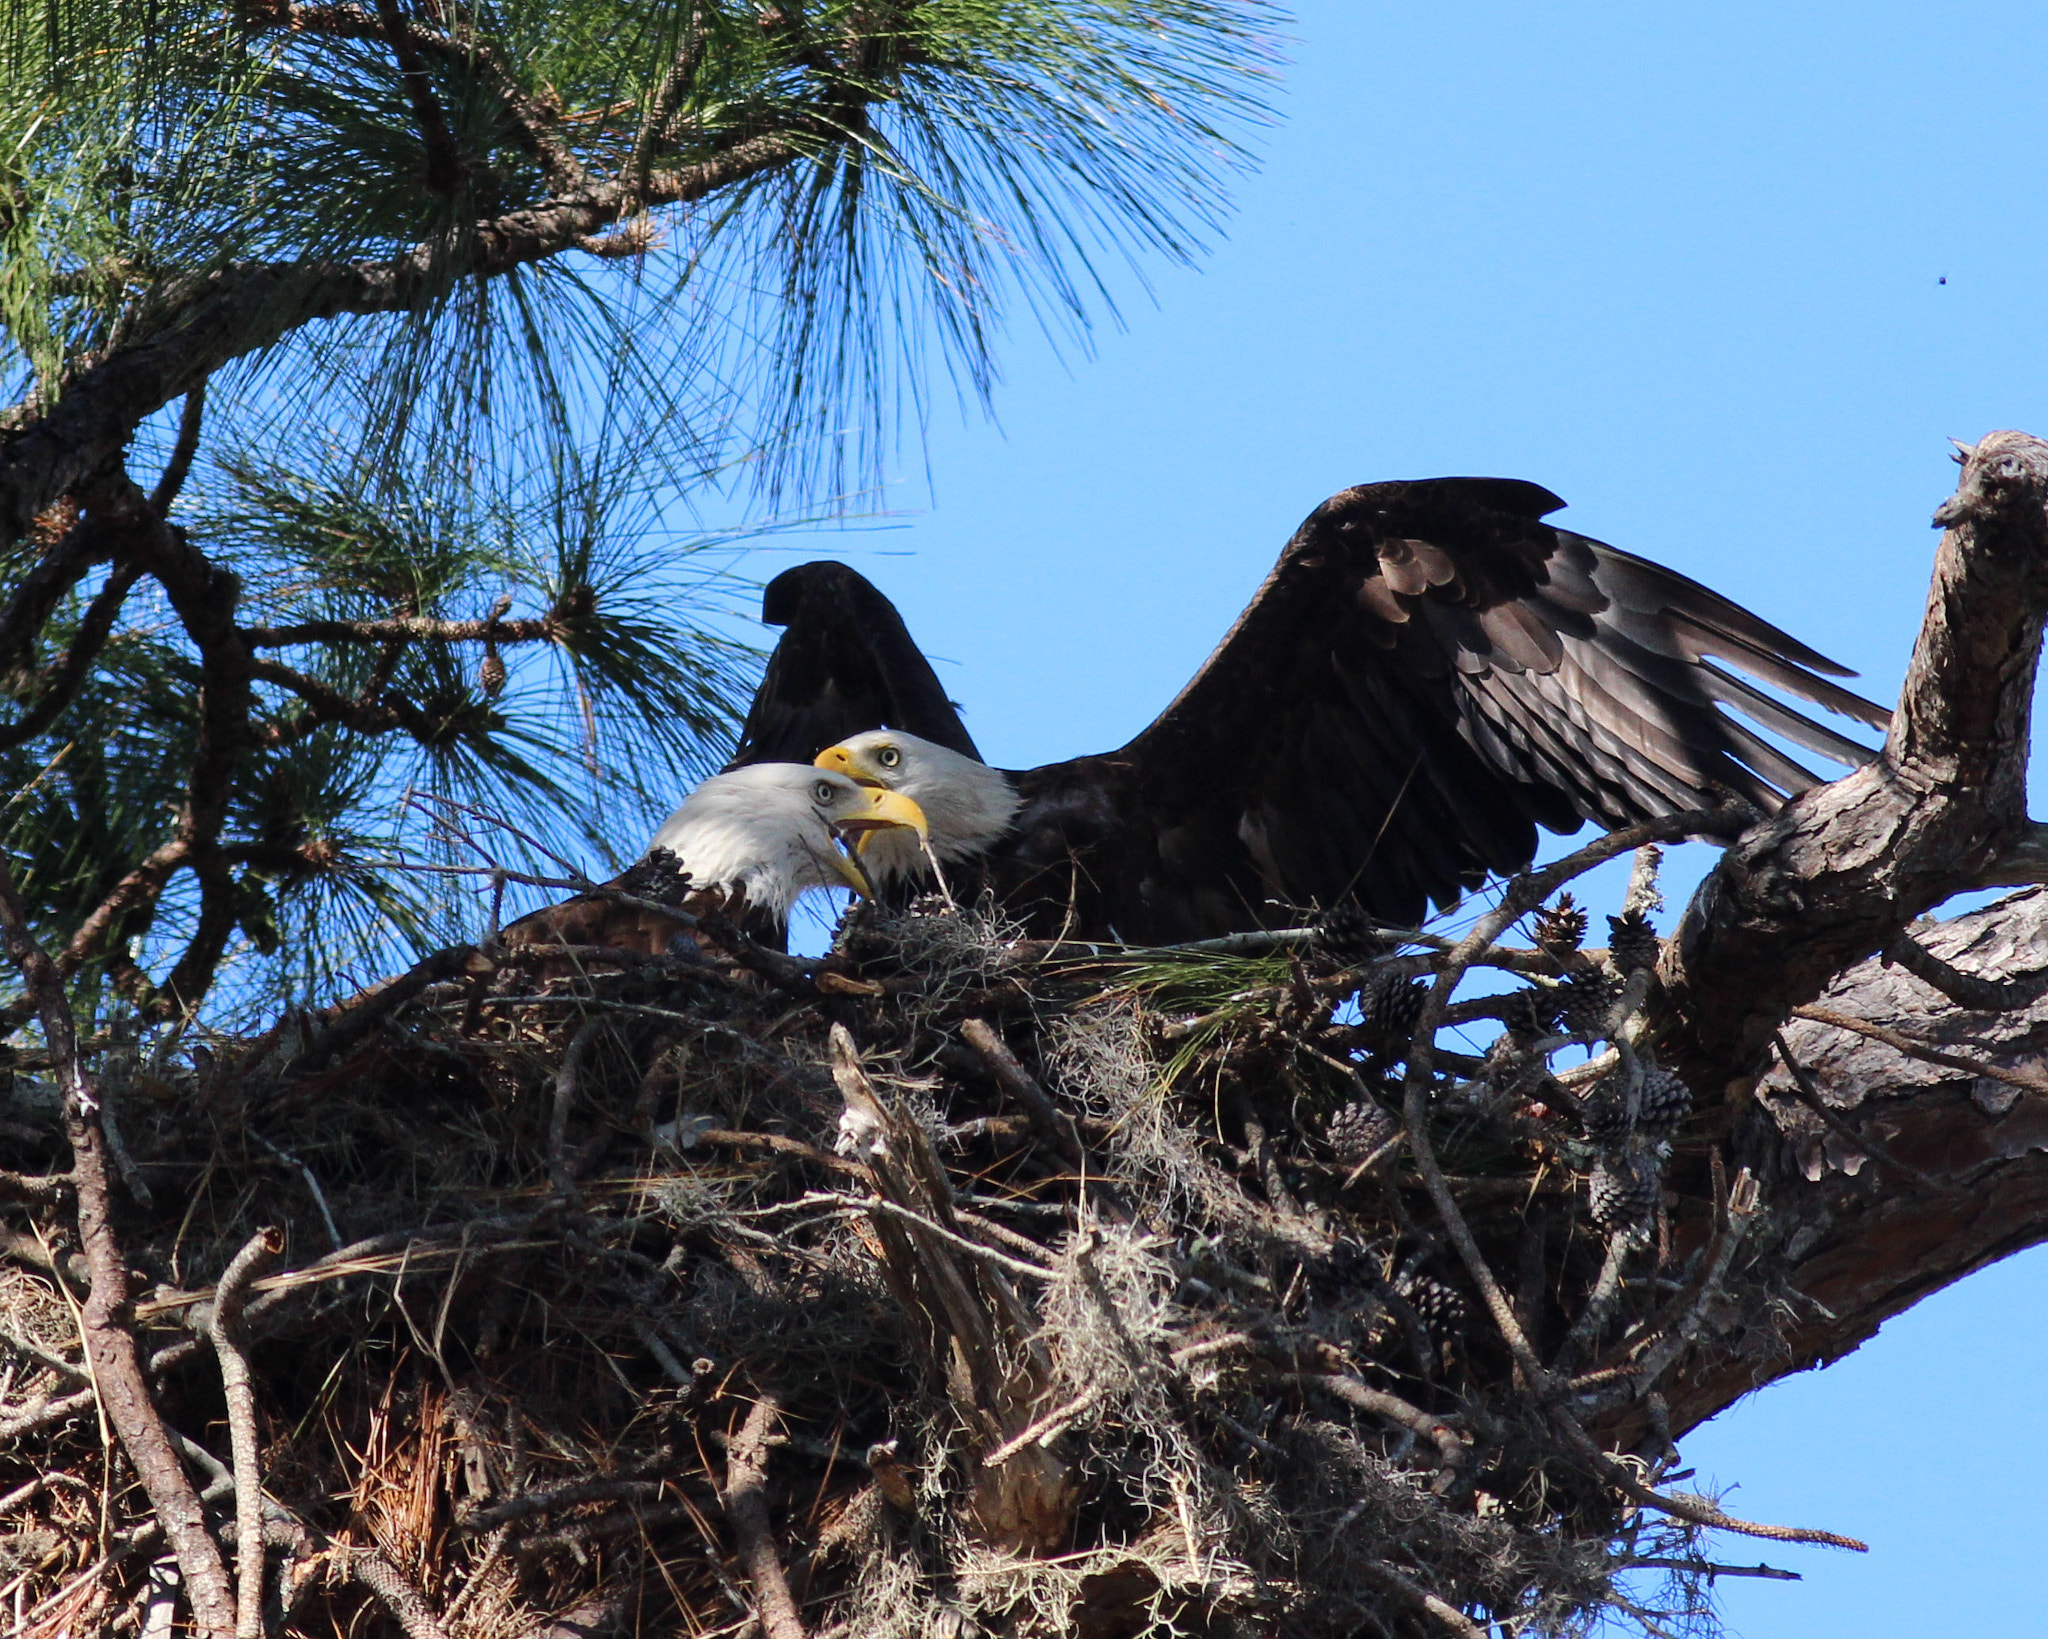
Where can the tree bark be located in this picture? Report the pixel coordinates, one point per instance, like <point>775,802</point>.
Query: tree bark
<point>1852,1239</point>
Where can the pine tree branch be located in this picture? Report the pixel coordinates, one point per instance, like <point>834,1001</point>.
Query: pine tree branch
<point>465,48</point>
<point>445,169</point>
<point>83,545</point>
<point>657,124</point>
<point>325,703</point>
<point>59,682</point>
<point>248,306</point>
<point>405,629</point>
<point>179,466</point>
<point>203,597</point>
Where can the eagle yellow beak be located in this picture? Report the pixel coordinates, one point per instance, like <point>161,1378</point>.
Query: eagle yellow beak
<point>852,873</point>
<point>841,760</point>
<point>886,811</point>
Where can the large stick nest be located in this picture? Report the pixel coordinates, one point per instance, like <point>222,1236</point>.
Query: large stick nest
<point>1096,1293</point>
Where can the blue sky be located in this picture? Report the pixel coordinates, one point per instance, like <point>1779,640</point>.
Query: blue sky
<point>1683,264</point>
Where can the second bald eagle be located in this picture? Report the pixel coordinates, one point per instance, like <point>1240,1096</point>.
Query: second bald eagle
<point>1429,673</point>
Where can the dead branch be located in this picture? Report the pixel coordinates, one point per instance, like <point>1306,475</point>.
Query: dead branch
<point>396,1593</point>
<point>746,1475</point>
<point>222,1323</point>
<point>1522,895</point>
<point>1711,1571</point>
<point>109,1344</point>
<point>1020,1084</point>
<point>1350,1389</point>
<point>1444,1615</point>
<point>1808,1094</point>
<point>34,1189</point>
<point>2030,1081</point>
<point>574,1062</point>
<point>1965,989</point>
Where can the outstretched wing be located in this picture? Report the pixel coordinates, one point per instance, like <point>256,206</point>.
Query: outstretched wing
<point>1429,673</point>
<point>845,664</point>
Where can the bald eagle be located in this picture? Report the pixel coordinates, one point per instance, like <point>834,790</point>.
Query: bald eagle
<point>742,847</point>
<point>1429,673</point>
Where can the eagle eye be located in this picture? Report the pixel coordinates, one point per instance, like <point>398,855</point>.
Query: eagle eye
<point>888,756</point>
<point>826,793</point>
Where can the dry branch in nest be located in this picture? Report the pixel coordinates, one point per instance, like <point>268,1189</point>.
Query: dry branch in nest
<point>954,1280</point>
<point>956,1283</point>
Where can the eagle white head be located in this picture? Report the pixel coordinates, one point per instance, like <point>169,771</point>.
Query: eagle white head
<point>967,805</point>
<point>765,832</point>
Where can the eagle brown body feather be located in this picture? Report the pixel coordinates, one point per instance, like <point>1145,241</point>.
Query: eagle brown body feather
<point>1429,674</point>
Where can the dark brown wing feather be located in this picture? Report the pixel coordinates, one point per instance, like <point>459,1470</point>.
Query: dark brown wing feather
<point>845,664</point>
<point>589,921</point>
<point>1429,674</point>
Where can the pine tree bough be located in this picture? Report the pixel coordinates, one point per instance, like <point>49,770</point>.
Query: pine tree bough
<point>244,308</point>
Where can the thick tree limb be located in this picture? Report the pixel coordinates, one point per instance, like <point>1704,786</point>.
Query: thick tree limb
<point>1859,1244</point>
<point>1840,870</point>
<point>1950,1101</point>
<point>2023,863</point>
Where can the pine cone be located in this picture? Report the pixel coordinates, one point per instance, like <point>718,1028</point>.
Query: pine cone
<point>490,675</point>
<point>1606,1113</point>
<point>1359,1129</point>
<point>1622,1192</point>
<point>1532,1012</point>
<point>1631,942</point>
<point>1586,999</point>
<point>1664,1102</point>
<point>1561,928</point>
<point>1439,1307</point>
<point>659,875</point>
<point>1346,932</point>
<point>1392,1003</point>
